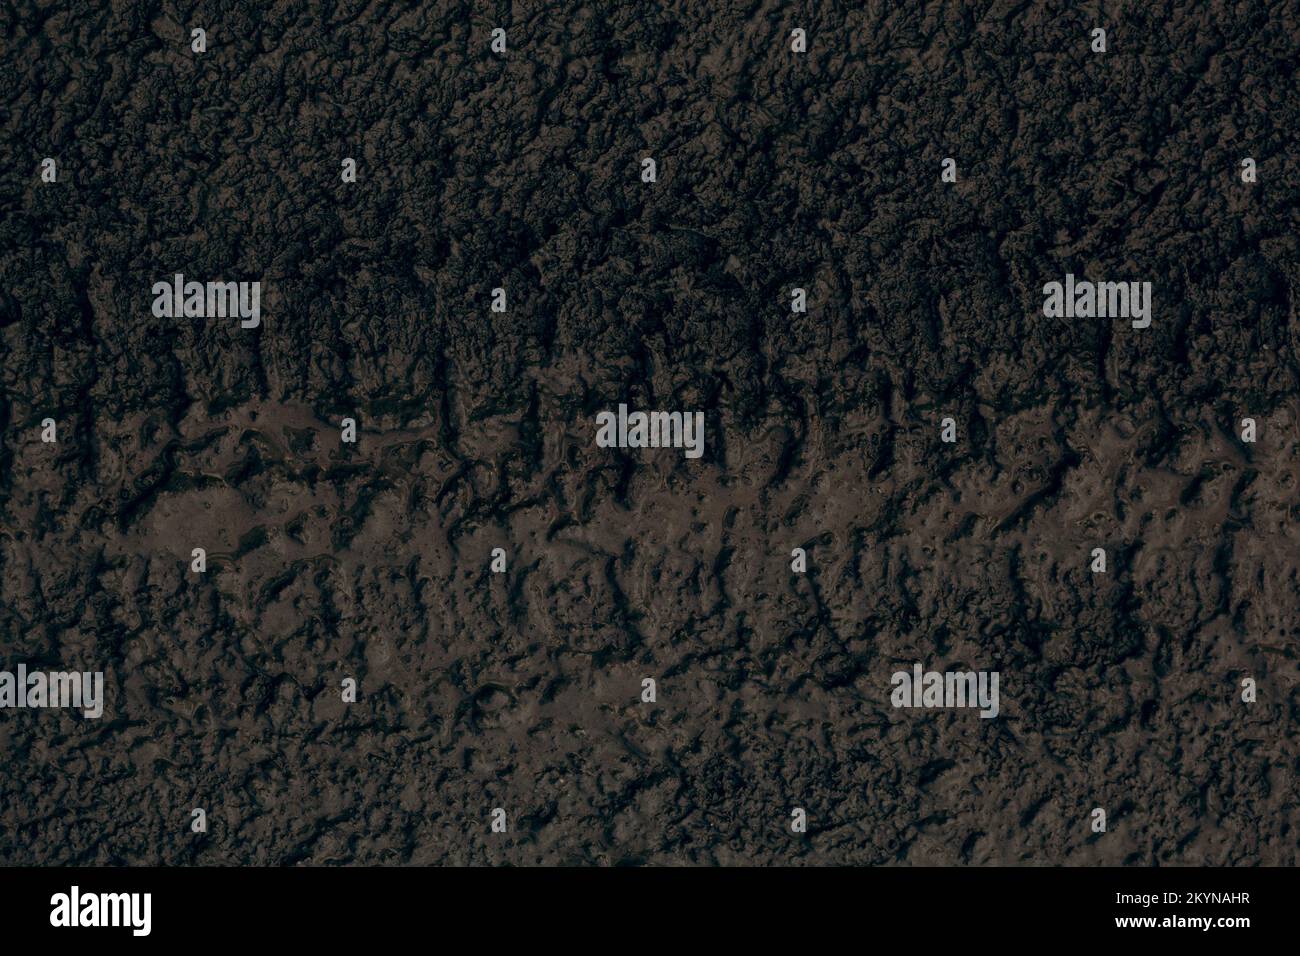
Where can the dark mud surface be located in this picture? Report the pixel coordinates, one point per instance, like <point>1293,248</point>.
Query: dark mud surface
<point>522,690</point>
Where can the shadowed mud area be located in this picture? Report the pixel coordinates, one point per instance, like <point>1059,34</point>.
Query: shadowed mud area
<point>477,430</point>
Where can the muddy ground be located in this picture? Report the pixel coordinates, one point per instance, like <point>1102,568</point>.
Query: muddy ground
<point>476,431</point>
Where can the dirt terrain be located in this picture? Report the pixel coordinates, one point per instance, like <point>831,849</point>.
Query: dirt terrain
<point>476,430</point>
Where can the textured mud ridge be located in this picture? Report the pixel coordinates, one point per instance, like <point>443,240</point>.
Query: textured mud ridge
<point>522,690</point>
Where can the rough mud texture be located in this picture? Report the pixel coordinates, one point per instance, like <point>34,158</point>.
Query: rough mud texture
<point>522,690</point>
